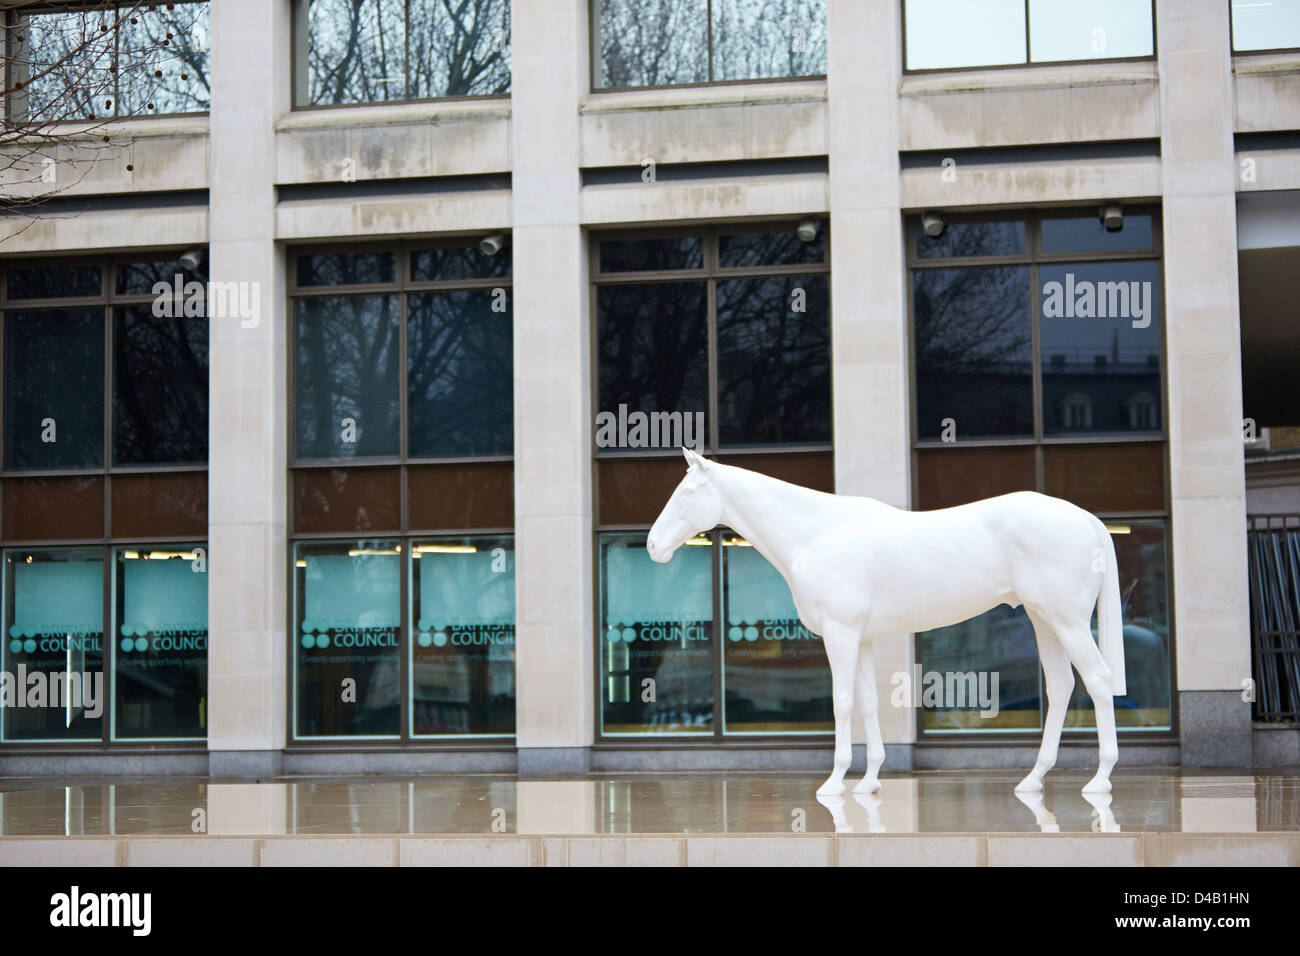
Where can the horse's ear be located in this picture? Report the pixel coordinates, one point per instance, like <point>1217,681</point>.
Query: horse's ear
<point>694,460</point>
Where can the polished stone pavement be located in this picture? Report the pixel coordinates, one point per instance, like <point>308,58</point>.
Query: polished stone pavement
<point>952,817</point>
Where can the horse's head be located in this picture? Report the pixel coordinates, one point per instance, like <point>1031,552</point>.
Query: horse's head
<point>694,507</point>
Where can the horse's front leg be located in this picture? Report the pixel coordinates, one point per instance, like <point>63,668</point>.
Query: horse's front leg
<point>868,706</point>
<point>842,644</point>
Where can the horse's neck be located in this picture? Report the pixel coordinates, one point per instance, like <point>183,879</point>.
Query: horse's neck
<point>773,516</point>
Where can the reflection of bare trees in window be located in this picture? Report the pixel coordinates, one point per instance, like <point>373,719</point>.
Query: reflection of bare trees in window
<point>773,362</point>
<point>973,350</point>
<point>160,388</point>
<point>459,375</point>
<point>768,38</point>
<point>653,346</point>
<point>346,369</point>
<point>364,51</point>
<point>663,42</point>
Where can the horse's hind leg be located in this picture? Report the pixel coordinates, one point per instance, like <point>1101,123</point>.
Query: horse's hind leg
<point>868,703</point>
<point>1059,680</point>
<point>1081,647</point>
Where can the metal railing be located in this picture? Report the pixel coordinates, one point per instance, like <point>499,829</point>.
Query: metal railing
<point>1273,546</point>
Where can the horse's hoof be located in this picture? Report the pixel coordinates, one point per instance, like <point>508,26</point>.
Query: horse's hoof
<point>1029,785</point>
<point>867,786</point>
<point>831,788</point>
<point>1097,786</point>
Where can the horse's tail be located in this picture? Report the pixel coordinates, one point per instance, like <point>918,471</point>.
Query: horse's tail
<point>1110,615</point>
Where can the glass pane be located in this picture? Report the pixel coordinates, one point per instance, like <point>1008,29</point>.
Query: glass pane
<point>53,509</point>
<point>753,39</point>
<point>356,51</point>
<point>163,60</point>
<point>459,49</point>
<point>965,239</point>
<point>1101,336</point>
<point>459,373</point>
<point>339,500</point>
<point>160,659</point>
<point>979,675</point>
<point>1265,26</point>
<point>657,630</point>
<point>1142,553</point>
<point>168,505</point>
<point>956,476</point>
<point>54,388</point>
<point>652,255</point>
<point>774,379</point>
<point>1105,478</point>
<point>140,278</point>
<point>463,654</point>
<point>775,675</point>
<point>950,33</point>
<point>973,347</point>
<point>454,497</point>
<point>49,282</point>
<point>54,624</point>
<point>347,624</point>
<point>345,376</point>
<point>771,248</point>
<point>346,268</point>
<point>1088,234</point>
<point>64,63</point>
<point>653,42</point>
<point>160,388</point>
<point>652,341</point>
<point>1100,29</point>
<point>459,262</point>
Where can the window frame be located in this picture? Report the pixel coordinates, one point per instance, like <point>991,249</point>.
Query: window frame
<point>1032,258</point>
<point>710,273</point>
<point>107,542</point>
<point>298,51</point>
<point>593,36</point>
<point>404,534</point>
<point>1028,62</point>
<point>74,6</point>
<point>1271,51</point>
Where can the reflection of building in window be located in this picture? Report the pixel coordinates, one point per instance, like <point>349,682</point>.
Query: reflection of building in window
<point>1142,412</point>
<point>1076,410</point>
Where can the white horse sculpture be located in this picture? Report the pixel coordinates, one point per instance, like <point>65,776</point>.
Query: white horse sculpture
<point>860,570</point>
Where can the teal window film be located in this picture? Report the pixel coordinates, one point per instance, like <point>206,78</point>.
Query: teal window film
<point>53,620</point>
<point>775,675</point>
<point>656,623</point>
<point>463,651</point>
<point>347,626</point>
<point>160,650</point>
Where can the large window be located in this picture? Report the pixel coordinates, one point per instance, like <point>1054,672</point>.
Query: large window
<point>951,34</point>
<point>1037,356</point>
<point>1271,25</point>
<point>402,485</point>
<point>103,489</point>
<point>374,51</point>
<point>638,43</point>
<point>108,60</point>
<point>719,339</point>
